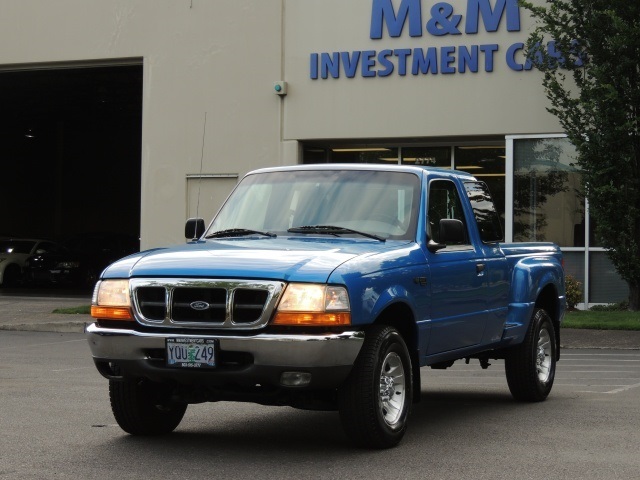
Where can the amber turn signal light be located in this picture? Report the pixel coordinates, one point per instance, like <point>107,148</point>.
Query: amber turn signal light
<point>312,319</point>
<point>111,313</point>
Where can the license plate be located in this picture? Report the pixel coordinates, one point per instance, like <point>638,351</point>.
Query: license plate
<point>191,352</point>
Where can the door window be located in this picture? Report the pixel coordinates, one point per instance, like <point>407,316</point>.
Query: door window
<point>444,203</point>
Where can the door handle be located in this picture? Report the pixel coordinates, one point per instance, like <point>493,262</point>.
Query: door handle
<point>480,268</point>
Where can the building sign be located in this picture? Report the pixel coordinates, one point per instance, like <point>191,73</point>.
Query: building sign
<point>391,20</point>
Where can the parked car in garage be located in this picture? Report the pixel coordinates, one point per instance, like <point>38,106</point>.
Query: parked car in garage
<point>38,267</point>
<point>14,252</point>
<point>80,259</point>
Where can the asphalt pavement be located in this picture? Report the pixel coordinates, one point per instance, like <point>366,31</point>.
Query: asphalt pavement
<point>25,311</point>
<point>56,422</point>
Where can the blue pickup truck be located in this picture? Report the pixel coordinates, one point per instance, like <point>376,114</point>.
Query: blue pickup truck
<point>328,287</point>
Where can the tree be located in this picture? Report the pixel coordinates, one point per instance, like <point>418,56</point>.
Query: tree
<point>588,52</point>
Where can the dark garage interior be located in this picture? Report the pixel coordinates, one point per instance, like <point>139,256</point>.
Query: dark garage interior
<point>70,152</point>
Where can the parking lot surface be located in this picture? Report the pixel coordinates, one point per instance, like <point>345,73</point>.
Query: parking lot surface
<point>597,371</point>
<point>56,422</point>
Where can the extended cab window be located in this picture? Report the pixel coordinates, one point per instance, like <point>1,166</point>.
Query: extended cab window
<point>444,203</point>
<point>485,211</point>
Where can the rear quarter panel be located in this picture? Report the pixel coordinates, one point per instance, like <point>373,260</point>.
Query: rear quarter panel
<point>534,268</point>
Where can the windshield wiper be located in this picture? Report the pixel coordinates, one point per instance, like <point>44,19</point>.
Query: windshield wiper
<point>332,230</point>
<point>238,232</point>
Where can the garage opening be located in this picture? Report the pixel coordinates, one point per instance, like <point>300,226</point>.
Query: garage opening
<point>70,152</point>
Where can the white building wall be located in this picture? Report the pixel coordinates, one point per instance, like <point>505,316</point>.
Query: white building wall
<point>443,104</point>
<point>216,57</point>
<point>219,58</point>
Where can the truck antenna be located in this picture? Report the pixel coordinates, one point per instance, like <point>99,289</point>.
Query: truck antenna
<point>196,222</point>
<point>204,133</point>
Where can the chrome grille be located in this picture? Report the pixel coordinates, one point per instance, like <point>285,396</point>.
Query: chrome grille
<point>153,303</point>
<point>196,303</point>
<point>248,304</point>
<point>213,301</point>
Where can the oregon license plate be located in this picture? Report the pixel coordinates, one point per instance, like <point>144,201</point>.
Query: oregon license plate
<point>191,352</point>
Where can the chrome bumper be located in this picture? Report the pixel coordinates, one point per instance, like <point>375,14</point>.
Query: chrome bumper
<point>294,351</point>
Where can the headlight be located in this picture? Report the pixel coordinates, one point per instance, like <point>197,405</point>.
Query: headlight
<point>111,300</point>
<point>313,305</point>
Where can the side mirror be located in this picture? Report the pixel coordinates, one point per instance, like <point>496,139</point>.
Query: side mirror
<point>452,231</point>
<point>433,247</point>
<point>194,228</point>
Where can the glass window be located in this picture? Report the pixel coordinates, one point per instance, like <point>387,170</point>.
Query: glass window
<point>444,203</point>
<point>594,240</point>
<point>485,212</point>
<point>605,285</point>
<point>381,203</point>
<point>482,161</point>
<point>349,154</point>
<point>313,154</point>
<point>547,200</point>
<point>427,156</point>
<point>486,163</point>
<point>384,155</point>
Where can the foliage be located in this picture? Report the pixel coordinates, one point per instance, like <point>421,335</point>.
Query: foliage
<point>602,320</point>
<point>591,76</point>
<point>611,307</point>
<point>573,290</point>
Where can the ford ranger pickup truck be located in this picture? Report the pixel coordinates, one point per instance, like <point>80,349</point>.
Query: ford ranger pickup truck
<point>328,287</point>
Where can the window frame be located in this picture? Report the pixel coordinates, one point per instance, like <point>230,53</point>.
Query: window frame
<point>465,220</point>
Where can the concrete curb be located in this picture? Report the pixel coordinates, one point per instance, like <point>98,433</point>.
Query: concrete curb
<point>55,327</point>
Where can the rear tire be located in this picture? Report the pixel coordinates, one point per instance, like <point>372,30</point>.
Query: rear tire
<point>375,401</point>
<point>144,408</point>
<point>531,366</point>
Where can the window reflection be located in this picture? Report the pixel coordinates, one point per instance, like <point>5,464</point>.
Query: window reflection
<point>547,203</point>
<point>486,163</point>
<point>484,210</point>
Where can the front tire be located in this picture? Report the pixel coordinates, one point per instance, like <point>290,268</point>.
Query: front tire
<point>531,366</point>
<point>144,408</point>
<point>375,401</point>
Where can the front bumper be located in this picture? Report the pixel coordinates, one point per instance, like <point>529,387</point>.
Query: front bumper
<point>256,359</point>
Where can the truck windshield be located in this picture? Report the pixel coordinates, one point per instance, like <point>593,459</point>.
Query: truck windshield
<point>380,203</point>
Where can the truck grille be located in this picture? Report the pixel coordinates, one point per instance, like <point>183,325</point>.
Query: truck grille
<point>194,303</point>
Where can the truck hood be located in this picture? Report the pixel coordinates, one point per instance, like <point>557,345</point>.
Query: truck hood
<point>301,259</point>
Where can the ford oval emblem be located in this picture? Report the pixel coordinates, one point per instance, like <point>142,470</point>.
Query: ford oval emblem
<point>199,305</point>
